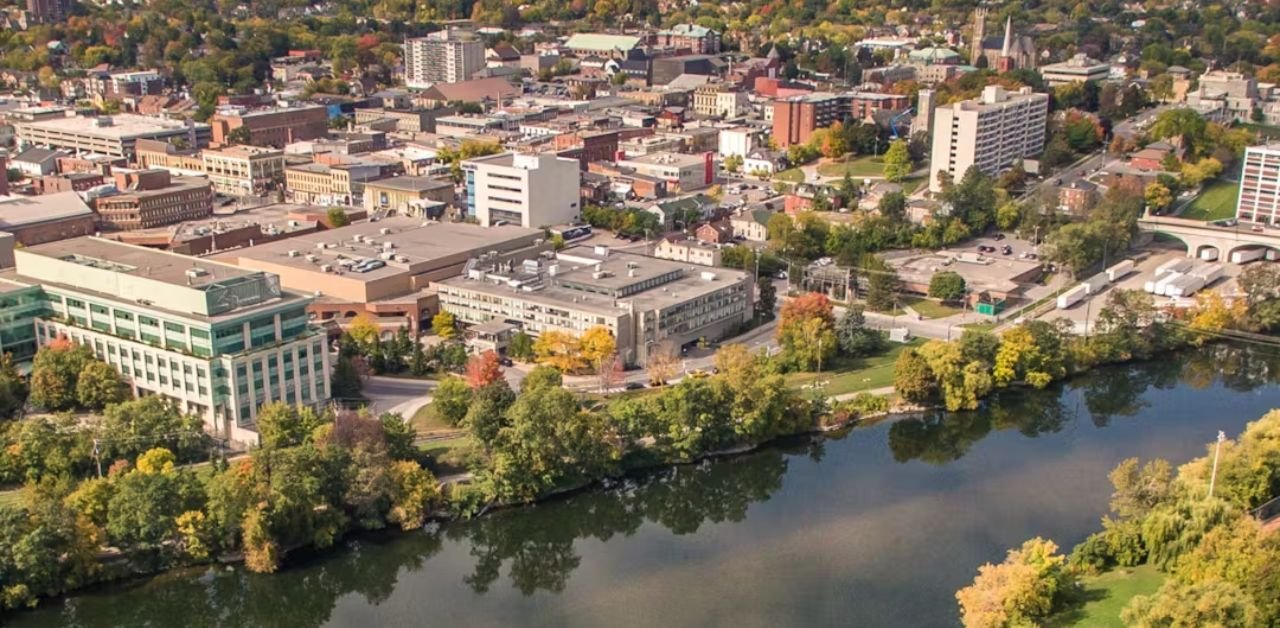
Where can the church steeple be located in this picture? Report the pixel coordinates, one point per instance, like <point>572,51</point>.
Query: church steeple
<point>1007,51</point>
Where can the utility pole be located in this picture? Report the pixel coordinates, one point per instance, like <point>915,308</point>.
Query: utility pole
<point>1216,450</point>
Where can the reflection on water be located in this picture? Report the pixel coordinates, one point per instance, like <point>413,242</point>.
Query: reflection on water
<point>861,533</point>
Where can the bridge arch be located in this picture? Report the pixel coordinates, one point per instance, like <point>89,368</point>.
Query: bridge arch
<point>1267,252</point>
<point>1207,252</point>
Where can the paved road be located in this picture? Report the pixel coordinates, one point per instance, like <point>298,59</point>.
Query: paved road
<point>394,394</point>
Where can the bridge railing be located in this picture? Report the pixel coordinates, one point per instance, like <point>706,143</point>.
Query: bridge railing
<point>1267,511</point>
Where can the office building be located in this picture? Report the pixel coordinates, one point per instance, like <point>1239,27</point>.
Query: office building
<point>220,340</point>
<point>683,173</point>
<point>411,196</point>
<point>648,304</point>
<point>324,184</point>
<point>535,190</point>
<point>719,100</point>
<point>38,219</point>
<point>48,11</point>
<point>386,269</point>
<point>696,39</point>
<point>796,118</point>
<point>992,132</point>
<point>1078,69</point>
<point>444,57</point>
<point>1259,199</point>
<point>275,127</point>
<point>232,170</point>
<point>602,45</point>
<point>114,136</point>
<point>152,198</point>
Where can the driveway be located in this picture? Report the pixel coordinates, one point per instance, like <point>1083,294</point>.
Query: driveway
<point>395,394</point>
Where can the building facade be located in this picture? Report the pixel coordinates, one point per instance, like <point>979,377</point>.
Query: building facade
<point>271,127</point>
<point>411,196</point>
<point>151,198</point>
<point>796,118</point>
<point>114,136</point>
<point>536,190</point>
<point>1259,199</point>
<point>233,170</point>
<point>647,304</point>
<point>219,340</point>
<point>992,133</point>
<point>1078,69</point>
<point>697,39</point>
<point>444,57</point>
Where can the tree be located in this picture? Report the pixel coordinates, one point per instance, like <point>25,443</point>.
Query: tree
<point>13,388</point>
<point>1140,489</point>
<point>598,346</point>
<point>483,369</point>
<point>561,350</point>
<point>913,380</point>
<point>521,346</point>
<point>445,325</point>
<point>882,285</point>
<point>806,331</point>
<point>98,385</point>
<point>662,364</point>
<point>897,161</point>
<point>854,337</point>
<point>451,399</point>
<point>893,206</point>
<point>947,286</point>
<point>131,427</point>
<point>1260,284</point>
<point>733,163</point>
<point>347,379</point>
<point>282,425</point>
<point>1158,197</point>
<point>610,372</point>
<point>486,416</point>
<point>413,491</point>
<point>54,373</point>
<point>1027,587</point>
<point>767,297</point>
<point>364,330</point>
<point>1029,353</point>
<point>337,217</point>
<point>1212,603</point>
<point>240,135</point>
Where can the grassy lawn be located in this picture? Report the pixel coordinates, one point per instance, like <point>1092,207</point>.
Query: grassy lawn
<point>449,456</point>
<point>861,167</point>
<point>933,309</point>
<point>911,184</point>
<point>426,420</point>
<point>11,498</point>
<point>790,175</point>
<point>1218,201</point>
<point>848,375</point>
<point>1106,594</point>
<point>981,326</point>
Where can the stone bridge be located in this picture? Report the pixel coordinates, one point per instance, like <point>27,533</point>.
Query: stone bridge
<point>1201,237</point>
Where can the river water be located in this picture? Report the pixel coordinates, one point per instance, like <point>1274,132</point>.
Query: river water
<point>878,527</point>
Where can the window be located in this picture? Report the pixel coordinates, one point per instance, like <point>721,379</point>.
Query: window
<point>174,327</point>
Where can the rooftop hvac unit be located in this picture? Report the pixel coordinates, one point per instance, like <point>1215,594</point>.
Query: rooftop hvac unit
<point>386,256</point>
<point>326,268</point>
<point>294,253</point>
<point>387,246</point>
<point>321,245</point>
<point>193,273</point>
<point>293,223</point>
<point>312,258</point>
<point>402,259</point>
<point>385,231</point>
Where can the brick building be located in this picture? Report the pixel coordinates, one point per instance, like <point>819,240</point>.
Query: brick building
<point>272,127</point>
<point>152,198</point>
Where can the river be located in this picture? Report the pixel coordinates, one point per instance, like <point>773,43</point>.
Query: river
<point>877,527</point>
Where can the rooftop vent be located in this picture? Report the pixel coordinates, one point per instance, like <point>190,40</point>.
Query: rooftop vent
<point>295,253</point>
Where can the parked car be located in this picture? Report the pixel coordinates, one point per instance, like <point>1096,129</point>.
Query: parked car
<point>1006,250</point>
<point>633,386</point>
<point>998,237</point>
<point>505,361</point>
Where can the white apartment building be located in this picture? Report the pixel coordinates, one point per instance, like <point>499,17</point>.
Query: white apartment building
<point>1259,199</point>
<point>992,132</point>
<point>443,57</point>
<point>533,191</point>
<point>689,250</point>
<point>1078,69</point>
<point>682,172</point>
<point>738,141</point>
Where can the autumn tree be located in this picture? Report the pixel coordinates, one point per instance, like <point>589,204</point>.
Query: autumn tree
<point>913,380</point>
<point>662,364</point>
<point>598,347</point>
<point>364,330</point>
<point>521,347</point>
<point>1157,196</point>
<point>54,374</point>
<point>483,369</point>
<point>806,331</point>
<point>1021,591</point>
<point>1212,603</point>
<point>445,325</point>
<point>561,350</point>
<point>98,385</point>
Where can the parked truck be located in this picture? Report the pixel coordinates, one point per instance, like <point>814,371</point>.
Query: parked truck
<point>1184,286</point>
<point>1209,254</point>
<point>1209,272</point>
<point>1071,297</point>
<point>1095,284</point>
<point>1179,265</point>
<point>1162,284</point>
<point>1120,270</point>
<point>1247,255</point>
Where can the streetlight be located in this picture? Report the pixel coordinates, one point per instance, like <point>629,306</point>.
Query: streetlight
<point>1216,450</point>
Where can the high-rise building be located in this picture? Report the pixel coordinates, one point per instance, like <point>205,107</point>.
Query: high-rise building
<point>533,191</point>
<point>1259,199</point>
<point>219,340</point>
<point>444,57</point>
<point>48,11</point>
<point>795,118</point>
<point>992,132</point>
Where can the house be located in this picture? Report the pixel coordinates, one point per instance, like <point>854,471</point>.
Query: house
<point>37,162</point>
<point>877,191</point>
<point>1152,156</point>
<point>764,162</point>
<point>751,225</point>
<point>681,248</point>
<point>719,232</point>
<point>1078,197</point>
<point>684,209</point>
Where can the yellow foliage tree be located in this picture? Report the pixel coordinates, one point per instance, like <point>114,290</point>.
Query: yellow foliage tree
<point>597,345</point>
<point>561,350</point>
<point>1213,314</point>
<point>363,329</point>
<point>157,460</point>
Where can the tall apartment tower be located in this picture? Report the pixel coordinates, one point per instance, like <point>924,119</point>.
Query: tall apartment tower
<point>444,57</point>
<point>992,132</point>
<point>979,34</point>
<point>48,11</point>
<point>1259,199</point>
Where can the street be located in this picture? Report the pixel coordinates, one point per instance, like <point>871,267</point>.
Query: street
<point>395,394</point>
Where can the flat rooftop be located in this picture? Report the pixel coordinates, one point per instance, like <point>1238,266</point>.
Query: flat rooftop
<point>408,184</point>
<point>417,241</point>
<point>122,126</point>
<point>20,211</point>
<point>1001,274</point>
<point>667,159</point>
<point>170,268</point>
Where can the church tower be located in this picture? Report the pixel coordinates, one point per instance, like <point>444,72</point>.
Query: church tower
<point>979,33</point>
<point>1007,61</point>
